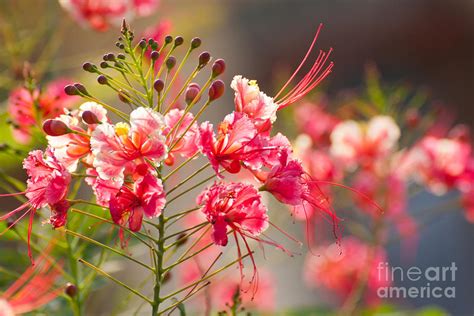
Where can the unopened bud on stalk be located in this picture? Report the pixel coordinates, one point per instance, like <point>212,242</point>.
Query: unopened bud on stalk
<point>204,59</point>
<point>104,65</point>
<point>90,118</point>
<point>181,239</point>
<point>168,39</point>
<point>158,85</point>
<point>120,56</point>
<point>191,93</point>
<point>195,43</point>
<point>70,290</point>
<point>178,41</point>
<point>81,89</point>
<point>142,43</point>
<point>154,55</point>
<point>218,67</point>
<point>70,90</point>
<point>102,79</point>
<point>89,67</point>
<point>216,90</point>
<point>170,62</point>
<point>124,96</point>
<point>166,277</point>
<point>55,127</point>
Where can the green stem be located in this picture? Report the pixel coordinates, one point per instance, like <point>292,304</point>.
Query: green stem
<point>159,271</point>
<point>76,300</point>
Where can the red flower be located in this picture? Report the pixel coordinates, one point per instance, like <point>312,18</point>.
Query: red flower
<point>47,185</point>
<point>33,289</point>
<point>236,206</point>
<point>147,197</point>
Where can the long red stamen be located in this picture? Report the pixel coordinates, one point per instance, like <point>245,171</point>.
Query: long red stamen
<point>315,75</point>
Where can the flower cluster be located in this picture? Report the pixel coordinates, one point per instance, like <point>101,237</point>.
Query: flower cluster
<point>127,163</point>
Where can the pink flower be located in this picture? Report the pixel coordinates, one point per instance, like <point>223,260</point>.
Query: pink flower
<point>232,143</point>
<point>123,148</point>
<point>236,206</point>
<point>100,14</point>
<point>26,109</point>
<point>353,143</point>
<point>145,7</point>
<point>313,120</point>
<point>259,107</point>
<point>47,185</point>
<point>340,267</point>
<point>103,190</point>
<point>285,181</point>
<point>147,198</point>
<point>48,180</point>
<point>70,148</point>
<point>291,185</point>
<point>188,145</point>
<point>33,289</point>
<point>439,162</point>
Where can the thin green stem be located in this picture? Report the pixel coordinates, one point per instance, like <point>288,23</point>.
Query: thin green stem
<point>97,243</point>
<point>204,278</point>
<point>195,173</point>
<point>105,274</point>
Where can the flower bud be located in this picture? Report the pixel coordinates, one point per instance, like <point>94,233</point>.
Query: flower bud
<point>191,93</point>
<point>102,79</point>
<point>204,59</point>
<point>90,118</point>
<point>104,65</point>
<point>158,85</point>
<point>70,90</point>
<point>216,90</point>
<point>142,43</point>
<point>218,67</point>
<point>121,56</point>
<point>124,96</point>
<point>55,127</point>
<point>89,67</point>
<point>181,239</point>
<point>166,277</point>
<point>81,89</point>
<point>70,290</point>
<point>168,39</point>
<point>195,43</point>
<point>170,62</point>
<point>154,55</point>
<point>178,41</point>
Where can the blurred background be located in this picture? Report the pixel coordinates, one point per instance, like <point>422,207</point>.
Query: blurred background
<point>424,44</point>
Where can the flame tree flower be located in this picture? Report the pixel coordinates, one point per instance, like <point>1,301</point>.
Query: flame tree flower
<point>133,165</point>
<point>27,108</point>
<point>34,288</point>
<point>100,14</point>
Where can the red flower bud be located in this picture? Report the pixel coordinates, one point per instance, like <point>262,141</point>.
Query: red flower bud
<point>90,118</point>
<point>55,127</point>
<point>216,90</point>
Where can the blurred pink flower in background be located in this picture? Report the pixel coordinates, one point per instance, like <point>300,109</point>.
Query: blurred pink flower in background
<point>339,267</point>
<point>28,109</point>
<point>315,121</point>
<point>358,143</point>
<point>100,14</point>
<point>32,289</point>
